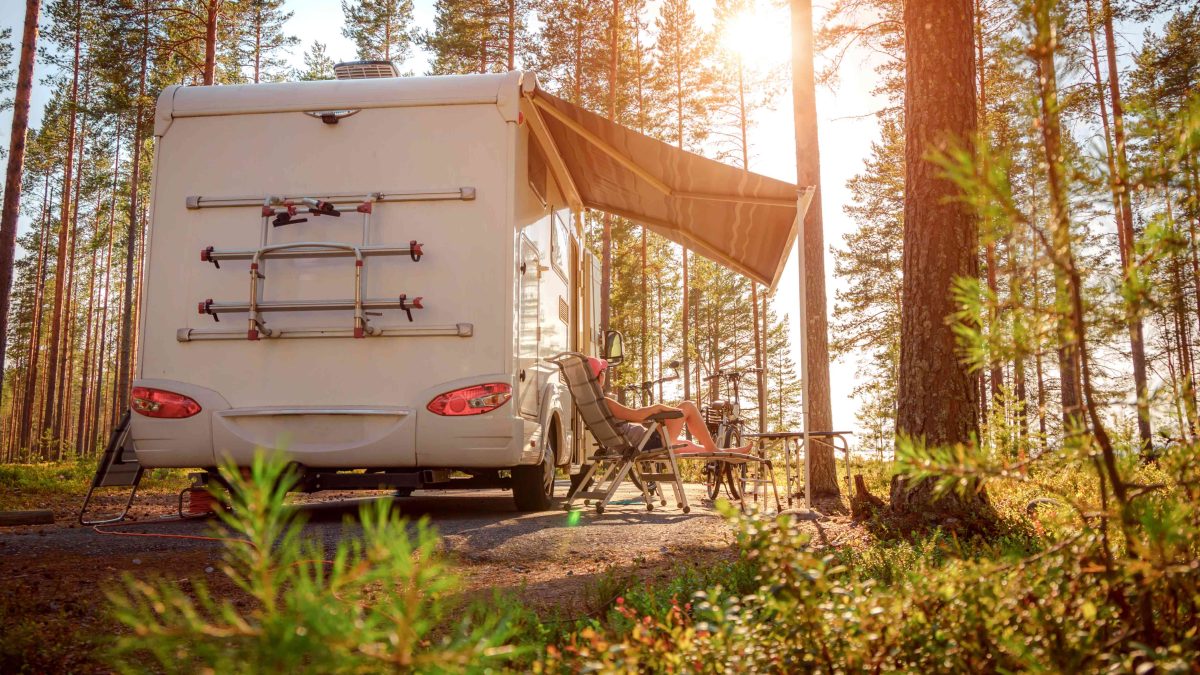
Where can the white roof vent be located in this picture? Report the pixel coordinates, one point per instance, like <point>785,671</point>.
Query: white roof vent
<point>365,70</point>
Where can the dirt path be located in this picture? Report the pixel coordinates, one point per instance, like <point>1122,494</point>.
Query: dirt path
<point>557,562</point>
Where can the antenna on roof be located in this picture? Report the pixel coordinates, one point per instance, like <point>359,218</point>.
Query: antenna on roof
<point>365,70</point>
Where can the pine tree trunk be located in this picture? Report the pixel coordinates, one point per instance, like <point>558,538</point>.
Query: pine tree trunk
<point>257,47</point>
<point>1121,178</point>
<point>658,305</point>
<point>212,11</point>
<point>35,331</point>
<point>54,367</point>
<point>937,398</point>
<point>995,373</point>
<point>645,301</point>
<point>808,173</point>
<point>101,392</point>
<point>125,358</point>
<point>512,35</point>
<point>11,208</point>
<point>85,383</point>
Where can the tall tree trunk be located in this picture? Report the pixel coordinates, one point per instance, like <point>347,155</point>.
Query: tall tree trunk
<point>1121,178</point>
<point>815,326</point>
<point>1037,364</point>
<point>85,383</point>
<point>49,417</point>
<point>937,398</point>
<point>125,357</point>
<point>645,301</point>
<point>606,236</point>
<point>67,374</point>
<point>258,46</point>
<point>995,373</point>
<point>11,208</point>
<point>35,331</point>
<point>1176,394</point>
<point>512,35</point>
<point>101,392</point>
<point>212,13</point>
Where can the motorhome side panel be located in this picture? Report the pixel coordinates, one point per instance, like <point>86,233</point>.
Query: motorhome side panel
<point>336,401</point>
<point>546,290</point>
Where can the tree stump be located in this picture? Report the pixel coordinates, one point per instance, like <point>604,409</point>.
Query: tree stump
<point>863,504</point>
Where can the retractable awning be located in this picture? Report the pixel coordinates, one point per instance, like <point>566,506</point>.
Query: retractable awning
<point>739,219</point>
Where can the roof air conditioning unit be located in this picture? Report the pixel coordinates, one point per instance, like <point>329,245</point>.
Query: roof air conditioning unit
<point>365,70</point>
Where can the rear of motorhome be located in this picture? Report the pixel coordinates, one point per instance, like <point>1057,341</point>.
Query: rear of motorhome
<point>368,275</point>
<point>365,275</point>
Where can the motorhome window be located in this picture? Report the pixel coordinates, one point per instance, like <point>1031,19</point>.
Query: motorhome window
<point>538,173</point>
<point>560,240</point>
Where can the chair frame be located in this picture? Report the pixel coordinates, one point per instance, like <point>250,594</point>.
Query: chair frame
<point>617,458</point>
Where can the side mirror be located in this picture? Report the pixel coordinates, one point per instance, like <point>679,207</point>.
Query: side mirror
<point>674,366</point>
<point>614,347</point>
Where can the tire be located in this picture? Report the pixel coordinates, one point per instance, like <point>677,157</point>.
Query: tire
<point>533,486</point>
<point>735,476</point>
<point>712,479</point>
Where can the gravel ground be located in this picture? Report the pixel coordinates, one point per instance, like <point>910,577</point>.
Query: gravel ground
<point>551,558</point>
<point>565,565</point>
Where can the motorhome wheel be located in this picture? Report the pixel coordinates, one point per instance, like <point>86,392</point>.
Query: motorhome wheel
<point>533,486</point>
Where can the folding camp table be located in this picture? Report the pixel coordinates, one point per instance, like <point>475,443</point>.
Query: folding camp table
<point>794,453</point>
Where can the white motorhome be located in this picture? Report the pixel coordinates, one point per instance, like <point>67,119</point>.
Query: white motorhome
<point>365,274</point>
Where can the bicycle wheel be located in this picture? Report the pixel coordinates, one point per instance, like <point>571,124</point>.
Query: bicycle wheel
<point>712,479</point>
<point>735,476</point>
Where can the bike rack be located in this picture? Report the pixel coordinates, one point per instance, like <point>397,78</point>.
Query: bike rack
<point>278,211</point>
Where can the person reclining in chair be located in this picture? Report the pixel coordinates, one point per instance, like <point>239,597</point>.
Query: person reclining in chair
<point>630,419</point>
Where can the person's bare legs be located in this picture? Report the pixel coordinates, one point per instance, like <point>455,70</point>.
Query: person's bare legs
<point>695,423</point>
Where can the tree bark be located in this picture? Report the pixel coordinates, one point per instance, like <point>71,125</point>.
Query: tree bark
<point>937,398</point>
<point>125,357</point>
<point>35,330</point>
<point>212,12</point>
<point>61,276</point>
<point>808,173</point>
<point>1121,180</point>
<point>101,392</point>
<point>16,164</point>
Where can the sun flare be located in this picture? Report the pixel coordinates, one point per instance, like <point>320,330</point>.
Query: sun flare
<point>760,38</point>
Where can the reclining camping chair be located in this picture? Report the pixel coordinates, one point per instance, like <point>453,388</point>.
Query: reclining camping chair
<point>617,457</point>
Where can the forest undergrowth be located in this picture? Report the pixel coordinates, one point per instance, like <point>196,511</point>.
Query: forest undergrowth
<point>1057,587</point>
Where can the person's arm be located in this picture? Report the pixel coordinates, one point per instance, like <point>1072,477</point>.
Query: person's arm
<point>637,415</point>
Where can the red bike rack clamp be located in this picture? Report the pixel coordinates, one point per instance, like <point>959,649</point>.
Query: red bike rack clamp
<point>205,307</point>
<point>206,256</point>
<point>409,305</point>
<point>415,251</point>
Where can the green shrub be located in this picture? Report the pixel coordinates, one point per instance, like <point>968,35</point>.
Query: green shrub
<point>916,607</point>
<point>380,602</point>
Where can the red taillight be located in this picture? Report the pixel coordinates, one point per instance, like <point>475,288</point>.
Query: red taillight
<point>474,400</point>
<point>159,403</point>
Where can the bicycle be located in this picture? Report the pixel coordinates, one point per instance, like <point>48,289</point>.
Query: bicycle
<point>724,420</point>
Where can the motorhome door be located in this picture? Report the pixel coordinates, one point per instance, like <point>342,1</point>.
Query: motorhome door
<point>528,327</point>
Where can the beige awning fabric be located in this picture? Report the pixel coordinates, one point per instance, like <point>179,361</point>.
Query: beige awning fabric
<point>739,219</point>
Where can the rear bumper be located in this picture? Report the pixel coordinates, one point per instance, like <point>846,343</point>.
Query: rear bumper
<point>346,437</point>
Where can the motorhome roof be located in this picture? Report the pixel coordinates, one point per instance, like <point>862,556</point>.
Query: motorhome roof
<point>322,95</point>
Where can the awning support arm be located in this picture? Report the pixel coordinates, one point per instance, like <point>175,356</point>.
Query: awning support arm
<point>537,124</point>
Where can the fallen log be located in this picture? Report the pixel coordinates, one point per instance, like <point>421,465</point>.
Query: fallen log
<point>8,518</point>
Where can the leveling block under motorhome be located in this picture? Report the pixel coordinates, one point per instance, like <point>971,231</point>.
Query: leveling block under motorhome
<point>366,274</point>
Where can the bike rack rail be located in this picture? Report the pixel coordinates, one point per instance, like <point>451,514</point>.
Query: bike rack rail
<point>278,211</point>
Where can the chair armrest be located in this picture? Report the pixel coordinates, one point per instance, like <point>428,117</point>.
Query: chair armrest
<point>665,415</point>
